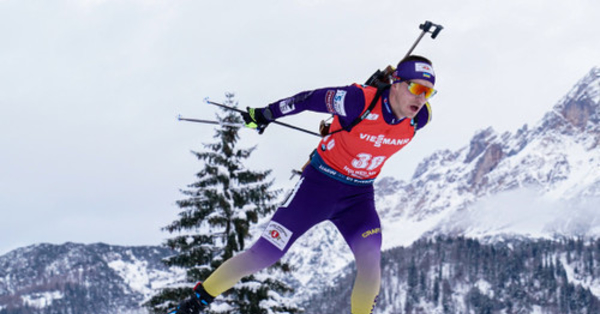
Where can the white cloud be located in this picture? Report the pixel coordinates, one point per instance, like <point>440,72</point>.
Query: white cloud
<point>525,212</point>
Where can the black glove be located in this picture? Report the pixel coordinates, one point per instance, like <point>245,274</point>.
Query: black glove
<point>257,118</point>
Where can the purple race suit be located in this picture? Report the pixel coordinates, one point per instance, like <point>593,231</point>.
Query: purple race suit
<point>321,195</point>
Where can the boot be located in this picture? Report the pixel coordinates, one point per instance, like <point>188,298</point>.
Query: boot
<point>195,303</point>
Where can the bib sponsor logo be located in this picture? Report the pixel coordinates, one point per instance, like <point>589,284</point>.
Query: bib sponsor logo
<point>379,140</point>
<point>331,145</point>
<point>277,234</point>
<point>359,174</point>
<point>372,116</point>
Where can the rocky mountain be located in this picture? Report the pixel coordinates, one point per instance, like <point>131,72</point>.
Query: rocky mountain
<point>540,181</point>
<point>77,278</point>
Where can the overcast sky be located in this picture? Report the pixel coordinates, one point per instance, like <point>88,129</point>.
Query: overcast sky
<point>90,148</point>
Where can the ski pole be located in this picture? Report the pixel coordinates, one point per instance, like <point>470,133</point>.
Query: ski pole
<point>276,122</point>
<point>239,125</point>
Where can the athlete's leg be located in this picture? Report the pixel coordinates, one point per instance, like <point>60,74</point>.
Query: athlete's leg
<point>309,204</point>
<point>361,229</point>
<point>261,255</point>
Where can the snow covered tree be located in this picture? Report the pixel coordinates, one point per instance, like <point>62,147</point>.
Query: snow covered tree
<point>215,223</point>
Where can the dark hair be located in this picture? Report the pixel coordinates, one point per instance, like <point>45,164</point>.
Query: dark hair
<point>416,58</point>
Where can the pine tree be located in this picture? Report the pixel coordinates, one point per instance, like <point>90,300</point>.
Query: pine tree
<point>215,223</point>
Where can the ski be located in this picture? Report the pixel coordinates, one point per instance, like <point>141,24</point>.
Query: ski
<point>208,101</point>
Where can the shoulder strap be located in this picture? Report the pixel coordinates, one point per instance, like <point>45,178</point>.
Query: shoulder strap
<point>365,114</point>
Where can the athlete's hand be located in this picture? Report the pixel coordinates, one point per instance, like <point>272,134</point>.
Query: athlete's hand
<point>257,118</point>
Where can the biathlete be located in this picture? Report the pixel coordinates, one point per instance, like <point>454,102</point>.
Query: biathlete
<point>337,185</point>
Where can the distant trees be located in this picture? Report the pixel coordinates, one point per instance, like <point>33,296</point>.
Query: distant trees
<point>461,275</point>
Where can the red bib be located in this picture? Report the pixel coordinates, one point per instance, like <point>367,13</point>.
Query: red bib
<point>361,153</point>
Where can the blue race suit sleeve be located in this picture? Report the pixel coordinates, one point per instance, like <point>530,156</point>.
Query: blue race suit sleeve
<point>347,102</point>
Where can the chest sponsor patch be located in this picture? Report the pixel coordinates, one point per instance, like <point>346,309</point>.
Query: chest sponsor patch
<point>378,140</point>
<point>277,234</point>
<point>372,116</point>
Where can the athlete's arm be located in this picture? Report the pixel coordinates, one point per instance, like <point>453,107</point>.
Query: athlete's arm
<point>346,102</point>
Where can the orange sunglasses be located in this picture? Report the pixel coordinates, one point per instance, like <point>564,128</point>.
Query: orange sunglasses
<point>418,89</point>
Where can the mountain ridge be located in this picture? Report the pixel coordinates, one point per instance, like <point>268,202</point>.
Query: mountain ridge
<point>85,278</point>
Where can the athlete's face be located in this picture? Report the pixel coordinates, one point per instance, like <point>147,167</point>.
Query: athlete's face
<point>403,102</point>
